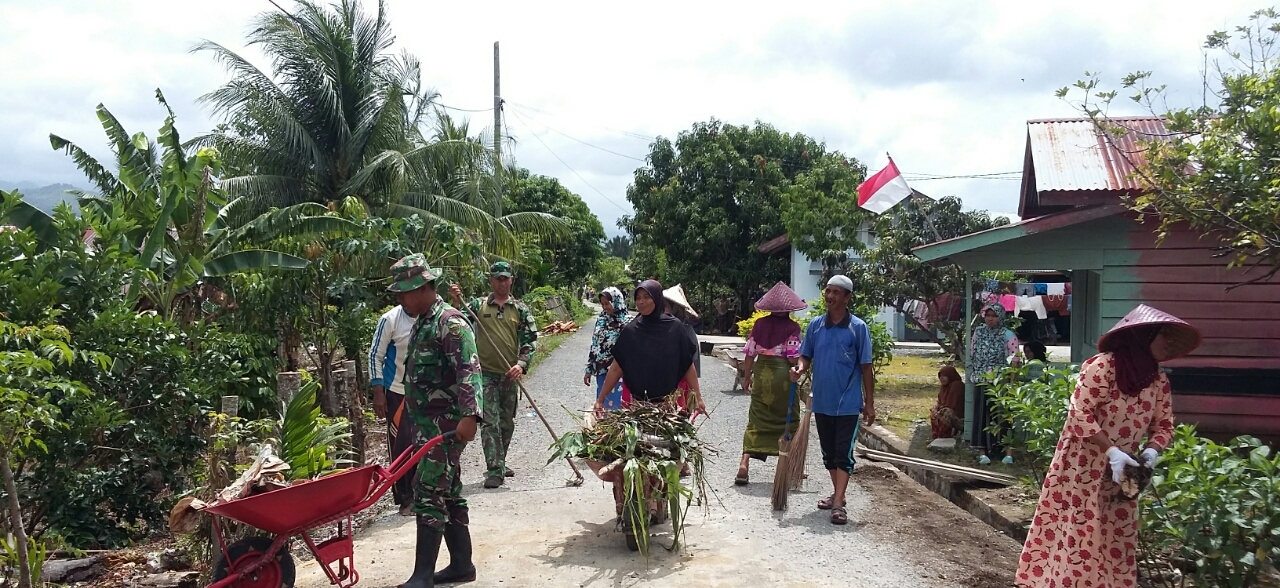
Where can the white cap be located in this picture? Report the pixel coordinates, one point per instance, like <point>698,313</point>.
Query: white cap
<point>842,281</point>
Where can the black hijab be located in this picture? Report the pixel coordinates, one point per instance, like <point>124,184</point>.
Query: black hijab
<point>655,350</point>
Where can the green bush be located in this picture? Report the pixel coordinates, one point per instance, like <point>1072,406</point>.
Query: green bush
<point>130,441</point>
<point>1215,509</point>
<point>537,299</point>
<point>1032,411</point>
<point>232,364</point>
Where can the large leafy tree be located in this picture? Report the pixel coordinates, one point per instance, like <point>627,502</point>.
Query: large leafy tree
<point>709,199</point>
<point>1216,169</point>
<point>891,276</point>
<point>820,208</point>
<point>575,259</point>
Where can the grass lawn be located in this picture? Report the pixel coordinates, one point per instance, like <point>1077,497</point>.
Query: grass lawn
<point>905,391</point>
<point>549,343</point>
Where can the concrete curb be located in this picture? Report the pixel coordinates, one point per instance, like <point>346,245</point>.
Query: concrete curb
<point>955,490</point>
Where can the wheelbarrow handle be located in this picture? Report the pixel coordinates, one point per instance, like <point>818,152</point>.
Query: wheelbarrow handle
<point>386,477</point>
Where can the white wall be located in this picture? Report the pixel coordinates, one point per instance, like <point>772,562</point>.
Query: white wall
<point>805,274</point>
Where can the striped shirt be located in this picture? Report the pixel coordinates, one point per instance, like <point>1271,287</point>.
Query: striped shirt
<point>390,348</point>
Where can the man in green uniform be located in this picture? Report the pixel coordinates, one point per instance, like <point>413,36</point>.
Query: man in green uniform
<point>443,393</point>
<point>506,333</point>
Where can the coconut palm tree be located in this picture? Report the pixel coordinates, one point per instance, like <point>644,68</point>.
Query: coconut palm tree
<point>341,116</point>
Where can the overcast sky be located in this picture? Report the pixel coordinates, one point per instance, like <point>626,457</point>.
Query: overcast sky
<point>946,87</point>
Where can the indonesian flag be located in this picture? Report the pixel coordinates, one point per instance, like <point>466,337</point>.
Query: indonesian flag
<point>883,190</point>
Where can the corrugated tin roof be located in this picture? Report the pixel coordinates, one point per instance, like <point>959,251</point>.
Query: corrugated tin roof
<point>1070,154</point>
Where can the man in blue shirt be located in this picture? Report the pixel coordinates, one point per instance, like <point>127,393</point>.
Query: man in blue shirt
<point>838,347</point>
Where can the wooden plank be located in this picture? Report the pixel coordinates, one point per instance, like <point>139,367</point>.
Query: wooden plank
<point>1255,329</point>
<point>1243,363</point>
<point>1239,347</point>
<point>1144,237</point>
<point>1230,426</point>
<point>937,466</point>
<point>1021,259</point>
<point>1254,406</point>
<point>1194,309</point>
<point>1188,257</point>
<point>1157,291</point>
<point>1196,274</point>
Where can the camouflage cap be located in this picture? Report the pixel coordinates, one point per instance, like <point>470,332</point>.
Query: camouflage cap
<point>500,268</point>
<point>412,272</point>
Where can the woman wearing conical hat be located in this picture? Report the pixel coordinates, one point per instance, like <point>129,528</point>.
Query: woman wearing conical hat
<point>1085,533</point>
<point>772,348</point>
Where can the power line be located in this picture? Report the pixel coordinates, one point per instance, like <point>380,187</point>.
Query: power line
<point>994,176</point>
<point>925,179</point>
<point>549,128</point>
<point>490,109</point>
<point>552,114</point>
<point>566,164</point>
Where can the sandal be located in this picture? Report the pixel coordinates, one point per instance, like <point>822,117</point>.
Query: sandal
<point>839,515</point>
<point>741,480</point>
<point>827,503</point>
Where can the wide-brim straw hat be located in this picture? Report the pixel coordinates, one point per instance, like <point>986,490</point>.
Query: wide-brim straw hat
<point>675,295</point>
<point>781,298</point>
<point>1181,337</point>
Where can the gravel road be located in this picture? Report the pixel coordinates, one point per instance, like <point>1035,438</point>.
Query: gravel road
<point>535,531</point>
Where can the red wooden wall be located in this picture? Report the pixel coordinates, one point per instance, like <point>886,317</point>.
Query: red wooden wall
<point>1241,328</point>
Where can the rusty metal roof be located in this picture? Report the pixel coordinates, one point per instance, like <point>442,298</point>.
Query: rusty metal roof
<point>1071,154</point>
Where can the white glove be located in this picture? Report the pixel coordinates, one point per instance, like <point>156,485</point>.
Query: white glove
<point>1149,456</point>
<point>1119,459</point>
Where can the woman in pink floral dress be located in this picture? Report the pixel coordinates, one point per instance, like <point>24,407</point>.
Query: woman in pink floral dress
<point>1084,533</point>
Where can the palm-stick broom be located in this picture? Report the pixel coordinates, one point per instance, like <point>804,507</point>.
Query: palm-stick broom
<point>799,450</point>
<point>786,445</point>
<point>577,480</point>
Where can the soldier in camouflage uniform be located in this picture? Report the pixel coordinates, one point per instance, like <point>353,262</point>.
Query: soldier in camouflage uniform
<point>506,332</point>
<point>443,392</point>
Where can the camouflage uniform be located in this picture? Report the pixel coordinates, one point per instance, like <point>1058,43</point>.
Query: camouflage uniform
<point>501,396</point>
<point>442,386</point>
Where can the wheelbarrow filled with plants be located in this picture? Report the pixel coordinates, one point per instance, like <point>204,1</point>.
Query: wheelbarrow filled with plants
<point>643,451</point>
<point>286,511</point>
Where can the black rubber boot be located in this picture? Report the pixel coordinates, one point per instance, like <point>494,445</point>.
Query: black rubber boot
<point>424,562</point>
<point>460,569</point>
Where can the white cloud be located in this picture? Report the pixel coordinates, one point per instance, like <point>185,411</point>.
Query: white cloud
<point>946,87</point>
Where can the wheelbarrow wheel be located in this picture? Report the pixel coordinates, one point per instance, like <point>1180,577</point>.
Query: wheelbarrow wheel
<point>629,530</point>
<point>277,573</point>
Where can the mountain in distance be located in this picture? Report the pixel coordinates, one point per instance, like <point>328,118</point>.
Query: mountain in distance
<point>43,197</point>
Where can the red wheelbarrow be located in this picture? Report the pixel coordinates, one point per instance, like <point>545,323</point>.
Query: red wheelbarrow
<point>260,562</point>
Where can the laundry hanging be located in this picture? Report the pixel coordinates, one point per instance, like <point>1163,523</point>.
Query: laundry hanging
<point>1032,304</point>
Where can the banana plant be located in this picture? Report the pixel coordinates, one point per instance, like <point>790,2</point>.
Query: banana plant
<point>188,231</point>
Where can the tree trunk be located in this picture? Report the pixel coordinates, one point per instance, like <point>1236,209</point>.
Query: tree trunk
<point>328,400</point>
<point>355,410</point>
<point>291,344</point>
<point>15,518</point>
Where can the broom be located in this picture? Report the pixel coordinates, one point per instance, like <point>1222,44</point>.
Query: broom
<point>792,451</point>
<point>799,445</point>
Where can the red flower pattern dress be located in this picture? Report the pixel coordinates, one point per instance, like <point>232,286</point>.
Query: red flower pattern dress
<point>1084,534</point>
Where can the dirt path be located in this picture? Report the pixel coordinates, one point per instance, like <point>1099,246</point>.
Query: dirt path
<point>537,532</point>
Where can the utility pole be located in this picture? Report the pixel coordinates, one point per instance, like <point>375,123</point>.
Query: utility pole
<point>497,128</point>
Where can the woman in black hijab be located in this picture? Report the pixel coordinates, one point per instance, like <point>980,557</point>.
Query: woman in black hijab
<point>653,353</point>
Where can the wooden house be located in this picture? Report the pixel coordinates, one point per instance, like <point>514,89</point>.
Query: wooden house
<point>1073,220</point>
